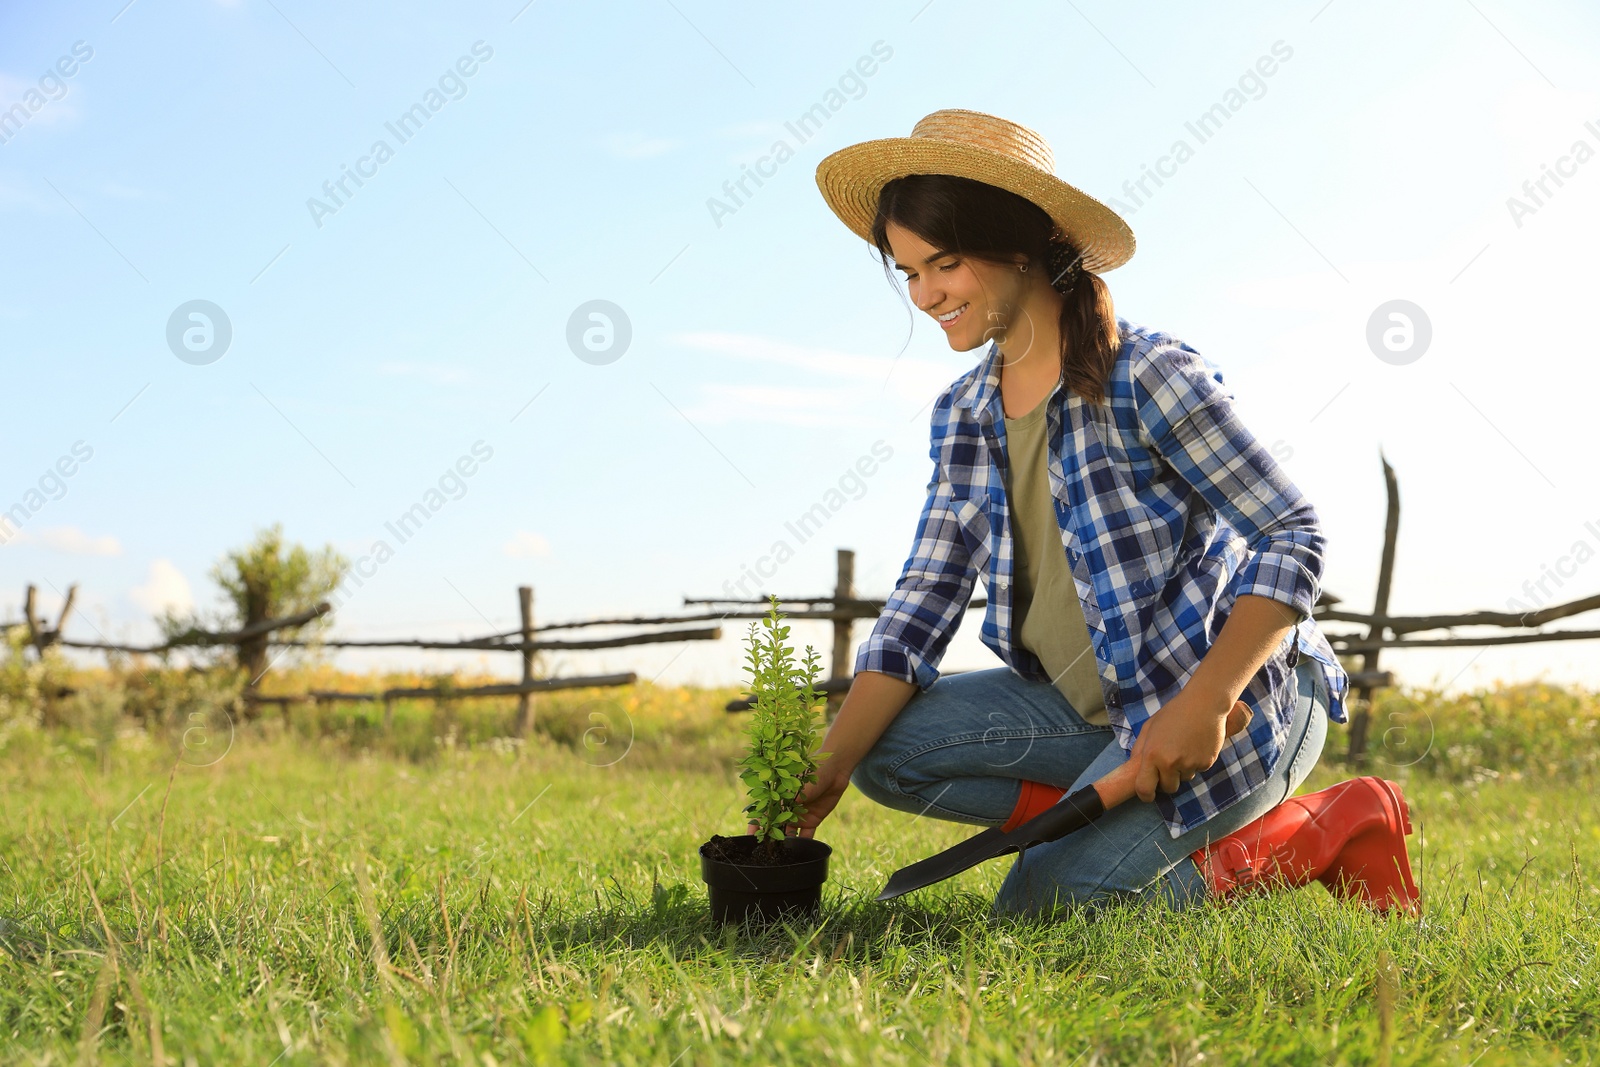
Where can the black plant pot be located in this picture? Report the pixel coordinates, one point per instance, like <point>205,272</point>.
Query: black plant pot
<point>742,886</point>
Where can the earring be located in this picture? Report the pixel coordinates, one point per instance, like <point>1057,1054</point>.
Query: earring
<point>1023,267</point>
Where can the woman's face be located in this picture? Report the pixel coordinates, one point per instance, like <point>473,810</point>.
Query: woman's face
<point>981,296</point>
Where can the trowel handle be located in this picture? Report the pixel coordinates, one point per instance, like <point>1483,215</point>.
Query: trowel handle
<point>1118,786</point>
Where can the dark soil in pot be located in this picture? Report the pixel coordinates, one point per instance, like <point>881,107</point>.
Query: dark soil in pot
<point>745,882</point>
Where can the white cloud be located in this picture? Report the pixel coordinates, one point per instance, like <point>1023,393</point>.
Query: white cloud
<point>118,191</point>
<point>525,545</point>
<point>812,360</point>
<point>638,146</point>
<point>753,128</point>
<point>862,382</point>
<point>19,196</point>
<point>769,404</point>
<point>166,587</point>
<point>70,540</point>
<point>55,109</point>
<point>433,373</point>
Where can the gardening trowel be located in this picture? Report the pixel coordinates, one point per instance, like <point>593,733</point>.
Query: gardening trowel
<point>1072,812</point>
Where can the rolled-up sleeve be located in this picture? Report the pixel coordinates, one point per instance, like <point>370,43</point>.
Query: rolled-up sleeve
<point>928,601</point>
<point>1186,414</point>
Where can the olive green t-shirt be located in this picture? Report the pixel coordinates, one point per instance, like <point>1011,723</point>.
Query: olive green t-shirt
<point>1052,626</point>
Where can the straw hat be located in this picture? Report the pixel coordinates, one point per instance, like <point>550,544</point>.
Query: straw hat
<point>986,148</point>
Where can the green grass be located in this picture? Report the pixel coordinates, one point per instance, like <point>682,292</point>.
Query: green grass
<point>540,903</point>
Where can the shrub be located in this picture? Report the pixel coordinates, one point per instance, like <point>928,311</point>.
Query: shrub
<point>782,732</point>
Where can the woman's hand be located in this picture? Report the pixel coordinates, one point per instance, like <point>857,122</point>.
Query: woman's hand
<point>819,799</point>
<point>1183,738</point>
<point>868,709</point>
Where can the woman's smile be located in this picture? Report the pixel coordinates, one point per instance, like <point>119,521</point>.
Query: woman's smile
<point>949,319</point>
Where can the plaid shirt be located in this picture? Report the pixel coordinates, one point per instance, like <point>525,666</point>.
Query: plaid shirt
<point>1169,509</point>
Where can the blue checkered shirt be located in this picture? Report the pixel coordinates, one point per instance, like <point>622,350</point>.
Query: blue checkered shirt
<point>1169,509</point>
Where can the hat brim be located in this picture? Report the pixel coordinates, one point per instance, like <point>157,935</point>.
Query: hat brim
<point>852,178</point>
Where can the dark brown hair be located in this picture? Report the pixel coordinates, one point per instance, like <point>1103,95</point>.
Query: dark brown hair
<point>980,221</point>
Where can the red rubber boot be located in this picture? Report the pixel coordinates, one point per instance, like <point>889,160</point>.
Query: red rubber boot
<point>1351,837</point>
<point>1036,798</point>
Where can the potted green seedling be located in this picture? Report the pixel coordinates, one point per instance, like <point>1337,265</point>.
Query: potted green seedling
<point>771,873</point>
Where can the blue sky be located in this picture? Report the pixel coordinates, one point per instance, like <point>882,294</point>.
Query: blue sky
<point>571,154</point>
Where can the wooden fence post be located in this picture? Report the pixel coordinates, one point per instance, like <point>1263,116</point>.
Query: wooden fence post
<point>66,609</point>
<point>524,700</point>
<point>1361,720</point>
<point>41,636</point>
<point>29,615</point>
<point>47,708</point>
<point>844,589</point>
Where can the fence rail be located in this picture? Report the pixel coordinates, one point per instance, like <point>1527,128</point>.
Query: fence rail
<point>1379,631</point>
<point>1384,631</point>
<point>387,697</point>
<point>279,633</point>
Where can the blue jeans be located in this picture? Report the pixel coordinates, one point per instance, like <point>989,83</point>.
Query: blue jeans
<point>960,750</point>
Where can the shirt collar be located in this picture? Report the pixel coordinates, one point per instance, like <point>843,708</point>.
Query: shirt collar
<point>983,388</point>
<point>982,392</point>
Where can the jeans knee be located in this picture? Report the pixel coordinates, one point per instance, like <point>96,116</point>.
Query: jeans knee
<point>1045,878</point>
<point>1036,889</point>
<point>1031,892</point>
<point>874,779</point>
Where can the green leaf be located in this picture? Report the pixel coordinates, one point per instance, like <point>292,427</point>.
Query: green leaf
<point>782,729</point>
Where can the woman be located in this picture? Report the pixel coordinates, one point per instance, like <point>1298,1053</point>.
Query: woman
<point>1146,560</point>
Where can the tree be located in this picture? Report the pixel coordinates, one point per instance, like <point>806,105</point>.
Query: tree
<point>266,579</point>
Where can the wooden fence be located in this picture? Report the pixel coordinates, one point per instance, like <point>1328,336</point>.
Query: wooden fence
<point>1378,630</point>
<point>521,641</point>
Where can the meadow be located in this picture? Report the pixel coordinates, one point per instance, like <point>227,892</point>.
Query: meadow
<point>324,891</point>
